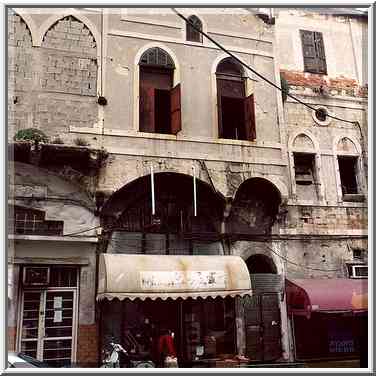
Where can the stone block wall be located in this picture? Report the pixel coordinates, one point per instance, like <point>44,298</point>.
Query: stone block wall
<point>55,86</point>
<point>315,219</point>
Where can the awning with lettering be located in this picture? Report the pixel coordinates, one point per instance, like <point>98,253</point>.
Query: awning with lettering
<point>305,296</point>
<point>162,276</point>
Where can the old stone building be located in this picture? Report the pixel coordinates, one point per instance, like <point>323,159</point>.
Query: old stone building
<point>179,187</point>
<point>322,56</point>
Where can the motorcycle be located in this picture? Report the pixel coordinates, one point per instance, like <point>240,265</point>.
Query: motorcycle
<point>111,359</point>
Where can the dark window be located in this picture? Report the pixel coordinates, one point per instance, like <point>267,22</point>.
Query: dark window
<point>24,221</point>
<point>347,172</point>
<point>159,101</point>
<point>304,168</point>
<point>193,34</point>
<point>313,51</point>
<point>236,113</point>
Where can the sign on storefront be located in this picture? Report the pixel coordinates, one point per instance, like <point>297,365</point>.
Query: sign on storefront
<point>182,280</point>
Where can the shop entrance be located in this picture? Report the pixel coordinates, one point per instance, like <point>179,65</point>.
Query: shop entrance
<point>203,328</point>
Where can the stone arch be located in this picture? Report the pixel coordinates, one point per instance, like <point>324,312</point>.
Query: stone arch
<point>72,74</point>
<point>29,24</point>
<point>255,207</point>
<point>303,139</point>
<point>260,263</point>
<point>115,198</point>
<point>347,146</point>
<point>70,33</point>
<point>53,19</point>
<point>352,142</point>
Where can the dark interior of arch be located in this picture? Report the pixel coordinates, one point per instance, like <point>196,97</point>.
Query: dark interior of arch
<point>130,208</point>
<point>261,264</point>
<point>255,208</point>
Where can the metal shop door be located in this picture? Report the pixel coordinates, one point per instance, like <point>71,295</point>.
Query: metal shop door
<point>263,327</point>
<point>47,325</point>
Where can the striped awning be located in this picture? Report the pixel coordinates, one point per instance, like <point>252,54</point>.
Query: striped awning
<point>162,277</point>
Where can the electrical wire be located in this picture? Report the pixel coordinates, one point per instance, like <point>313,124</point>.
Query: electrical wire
<point>82,231</point>
<point>254,71</point>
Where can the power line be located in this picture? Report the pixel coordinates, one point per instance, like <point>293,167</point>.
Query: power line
<point>255,72</point>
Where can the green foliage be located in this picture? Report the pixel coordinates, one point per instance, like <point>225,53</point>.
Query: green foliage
<point>285,88</point>
<point>31,134</point>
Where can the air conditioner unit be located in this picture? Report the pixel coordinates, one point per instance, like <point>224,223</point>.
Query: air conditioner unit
<point>36,275</point>
<point>358,271</point>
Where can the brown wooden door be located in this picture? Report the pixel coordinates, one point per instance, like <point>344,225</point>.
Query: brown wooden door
<point>263,328</point>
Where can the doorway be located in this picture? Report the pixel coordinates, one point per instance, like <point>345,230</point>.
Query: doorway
<point>47,325</point>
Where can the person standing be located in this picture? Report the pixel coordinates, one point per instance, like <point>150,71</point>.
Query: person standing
<point>166,348</point>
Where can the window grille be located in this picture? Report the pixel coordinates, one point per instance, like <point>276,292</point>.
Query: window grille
<point>25,221</point>
<point>157,57</point>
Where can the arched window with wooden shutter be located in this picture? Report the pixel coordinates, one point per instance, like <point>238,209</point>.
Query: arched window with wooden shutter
<point>160,104</point>
<point>236,115</point>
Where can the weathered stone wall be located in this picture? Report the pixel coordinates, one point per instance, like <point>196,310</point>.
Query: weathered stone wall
<point>54,86</point>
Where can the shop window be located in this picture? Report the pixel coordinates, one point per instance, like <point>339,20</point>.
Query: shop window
<point>24,221</point>
<point>348,171</point>
<point>236,112</point>
<point>160,102</point>
<point>313,52</point>
<point>193,34</point>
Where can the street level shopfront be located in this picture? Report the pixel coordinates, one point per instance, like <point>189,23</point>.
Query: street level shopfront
<point>329,318</point>
<point>142,296</point>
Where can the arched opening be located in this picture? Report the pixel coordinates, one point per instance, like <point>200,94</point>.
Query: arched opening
<point>193,33</point>
<point>255,208</point>
<point>236,115</point>
<point>173,229</point>
<point>261,264</point>
<point>159,100</point>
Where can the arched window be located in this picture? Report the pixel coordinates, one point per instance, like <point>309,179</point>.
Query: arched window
<point>159,100</point>
<point>193,34</point>
<point>236,116</point>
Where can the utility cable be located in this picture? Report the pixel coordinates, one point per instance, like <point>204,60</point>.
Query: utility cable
<point>255,72</point>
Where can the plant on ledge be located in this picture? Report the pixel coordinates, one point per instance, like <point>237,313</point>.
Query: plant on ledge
<point>32,135</point>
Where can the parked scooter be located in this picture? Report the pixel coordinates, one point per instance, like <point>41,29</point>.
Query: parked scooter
<point>111,360</point>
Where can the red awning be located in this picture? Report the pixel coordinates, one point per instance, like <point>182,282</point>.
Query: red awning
<point>305,296</point>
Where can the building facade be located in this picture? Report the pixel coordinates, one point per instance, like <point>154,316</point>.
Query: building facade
<point>163,151</point>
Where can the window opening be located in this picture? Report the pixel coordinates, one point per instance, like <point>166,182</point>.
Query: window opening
<point>321,114</point>
<point>159,101</point>
<point>313,52</point>
<point>25,221</point>
<point>348,171</point>
<point>304,169</point>
<point>236,113</point>
<point>194,35</point>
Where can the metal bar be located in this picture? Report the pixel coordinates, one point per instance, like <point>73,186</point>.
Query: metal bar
<point>152,190</point>
<point>194,192</point>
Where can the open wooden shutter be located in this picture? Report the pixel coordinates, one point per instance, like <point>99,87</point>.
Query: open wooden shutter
<point>320,53</point>
<point>249,118</point>
<point>175,101</point>
<point>147,109</point>
<point>313,51</point>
